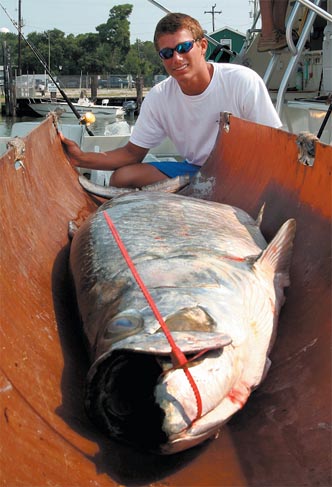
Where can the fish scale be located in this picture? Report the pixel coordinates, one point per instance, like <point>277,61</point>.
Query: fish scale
<point>187,226</point>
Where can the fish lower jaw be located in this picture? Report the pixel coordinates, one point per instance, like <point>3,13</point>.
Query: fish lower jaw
<point>182,441</point>
<point>205,427</point>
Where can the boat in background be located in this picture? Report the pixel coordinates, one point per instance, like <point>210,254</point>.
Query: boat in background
<point>281,437</point>
<point>83,106</point>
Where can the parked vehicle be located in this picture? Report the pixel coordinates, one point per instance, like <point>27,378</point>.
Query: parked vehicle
<point>158,77</point>
<point>116,82</point>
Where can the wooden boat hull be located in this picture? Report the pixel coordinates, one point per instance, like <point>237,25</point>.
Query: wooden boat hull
<point>282,436</point>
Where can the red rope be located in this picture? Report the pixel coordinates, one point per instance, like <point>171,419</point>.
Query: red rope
<point>178,357</point>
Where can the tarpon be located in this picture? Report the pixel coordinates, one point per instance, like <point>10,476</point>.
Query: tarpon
<point>218,287</point>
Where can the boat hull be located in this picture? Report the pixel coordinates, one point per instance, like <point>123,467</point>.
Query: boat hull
<point>105,111</point>
<point>281,438</point>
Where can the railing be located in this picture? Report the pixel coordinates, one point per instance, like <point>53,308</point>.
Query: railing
<point>296,51</point>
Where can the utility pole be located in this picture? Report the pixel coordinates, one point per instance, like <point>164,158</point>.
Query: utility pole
<point>213,12</point>
<point>19,38</point>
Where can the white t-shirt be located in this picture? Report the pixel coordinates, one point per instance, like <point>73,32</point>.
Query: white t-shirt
<point>192,122</point>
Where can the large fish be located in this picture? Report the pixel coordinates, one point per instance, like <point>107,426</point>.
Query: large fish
<point>218,287</point>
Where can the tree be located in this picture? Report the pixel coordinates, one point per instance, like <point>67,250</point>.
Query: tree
<point>114,37</point>
<point>10,40</point>
<point>88,45</point>
<point>71,63</point>
<point>143,59</point>
<point>106,51</point>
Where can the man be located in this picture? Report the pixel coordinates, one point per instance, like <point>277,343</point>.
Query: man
<point>185,107</point>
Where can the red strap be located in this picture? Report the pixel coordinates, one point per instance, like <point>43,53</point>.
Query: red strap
<point>178,357</point>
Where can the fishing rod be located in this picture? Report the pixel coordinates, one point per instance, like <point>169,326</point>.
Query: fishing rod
<point>45,66</point>
<point>327,116</point>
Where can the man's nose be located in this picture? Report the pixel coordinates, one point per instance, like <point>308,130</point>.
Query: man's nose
<point>177,55</point>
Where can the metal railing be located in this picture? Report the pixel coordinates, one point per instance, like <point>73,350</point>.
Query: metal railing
<point>296,51</point>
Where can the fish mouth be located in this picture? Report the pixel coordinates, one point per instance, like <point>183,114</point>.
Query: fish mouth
<point>120,397</point>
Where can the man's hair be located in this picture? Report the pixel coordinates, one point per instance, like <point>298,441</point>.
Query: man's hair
<point>173,22</point>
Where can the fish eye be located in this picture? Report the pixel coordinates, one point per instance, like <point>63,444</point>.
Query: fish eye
<point>124,323</point>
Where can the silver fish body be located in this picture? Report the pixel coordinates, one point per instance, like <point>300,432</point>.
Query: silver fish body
<point>217,285</point>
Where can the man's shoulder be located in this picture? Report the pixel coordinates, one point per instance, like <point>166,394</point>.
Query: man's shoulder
<point>233,68</point>
<point>164,85</point>
<point>237,73</point>
<point>162,90</point>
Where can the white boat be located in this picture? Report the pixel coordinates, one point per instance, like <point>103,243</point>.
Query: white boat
<point>83,106</point>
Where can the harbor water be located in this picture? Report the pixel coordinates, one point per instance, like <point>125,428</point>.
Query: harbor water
<point>97,128</point>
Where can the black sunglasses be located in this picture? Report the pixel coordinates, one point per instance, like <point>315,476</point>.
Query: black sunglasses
<point>182,48</point>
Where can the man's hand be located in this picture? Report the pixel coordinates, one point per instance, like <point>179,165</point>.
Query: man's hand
<point>72,150</point>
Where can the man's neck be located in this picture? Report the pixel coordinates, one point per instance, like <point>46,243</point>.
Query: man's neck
<point>198,85</point>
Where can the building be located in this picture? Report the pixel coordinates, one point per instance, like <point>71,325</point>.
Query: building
<point>228,37</point>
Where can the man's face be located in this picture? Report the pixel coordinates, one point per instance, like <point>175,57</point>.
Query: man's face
<point>184,66</point>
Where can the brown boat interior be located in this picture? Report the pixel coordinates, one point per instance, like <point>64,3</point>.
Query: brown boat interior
<point>282,437</point>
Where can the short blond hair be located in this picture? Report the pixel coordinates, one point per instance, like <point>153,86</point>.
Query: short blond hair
<point>173,22</point>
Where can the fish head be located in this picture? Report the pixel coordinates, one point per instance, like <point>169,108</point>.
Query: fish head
<point>169,395</point>
<point>138,389</point>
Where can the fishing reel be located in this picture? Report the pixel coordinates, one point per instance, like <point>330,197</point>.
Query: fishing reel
<point>87,119</point>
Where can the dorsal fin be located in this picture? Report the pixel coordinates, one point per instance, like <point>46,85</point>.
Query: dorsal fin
<point>278,253</point>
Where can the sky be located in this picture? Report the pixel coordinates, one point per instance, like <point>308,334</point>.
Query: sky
<point>82,16</point>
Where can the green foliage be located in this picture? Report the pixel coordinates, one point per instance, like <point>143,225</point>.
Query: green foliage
<point>142,59</point>
<point>106,51</point>
<point>9,43</point>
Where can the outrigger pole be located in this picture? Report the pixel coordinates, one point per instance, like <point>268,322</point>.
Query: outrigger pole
<point>45,66</point>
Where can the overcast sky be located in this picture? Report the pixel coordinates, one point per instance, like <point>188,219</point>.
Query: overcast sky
<point>82,16</point>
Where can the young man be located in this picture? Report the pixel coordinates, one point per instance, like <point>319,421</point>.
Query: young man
<point>185,107</point>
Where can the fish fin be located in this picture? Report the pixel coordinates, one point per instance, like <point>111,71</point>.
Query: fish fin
<point>260,216</point>
<point>278,253</point>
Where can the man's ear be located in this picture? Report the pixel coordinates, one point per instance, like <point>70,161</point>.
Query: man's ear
<point>204,45</point>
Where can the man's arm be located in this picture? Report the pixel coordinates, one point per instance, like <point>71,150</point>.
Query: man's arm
<point>110,160</point>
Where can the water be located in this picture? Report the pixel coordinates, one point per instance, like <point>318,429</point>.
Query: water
<point>97,128</point>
